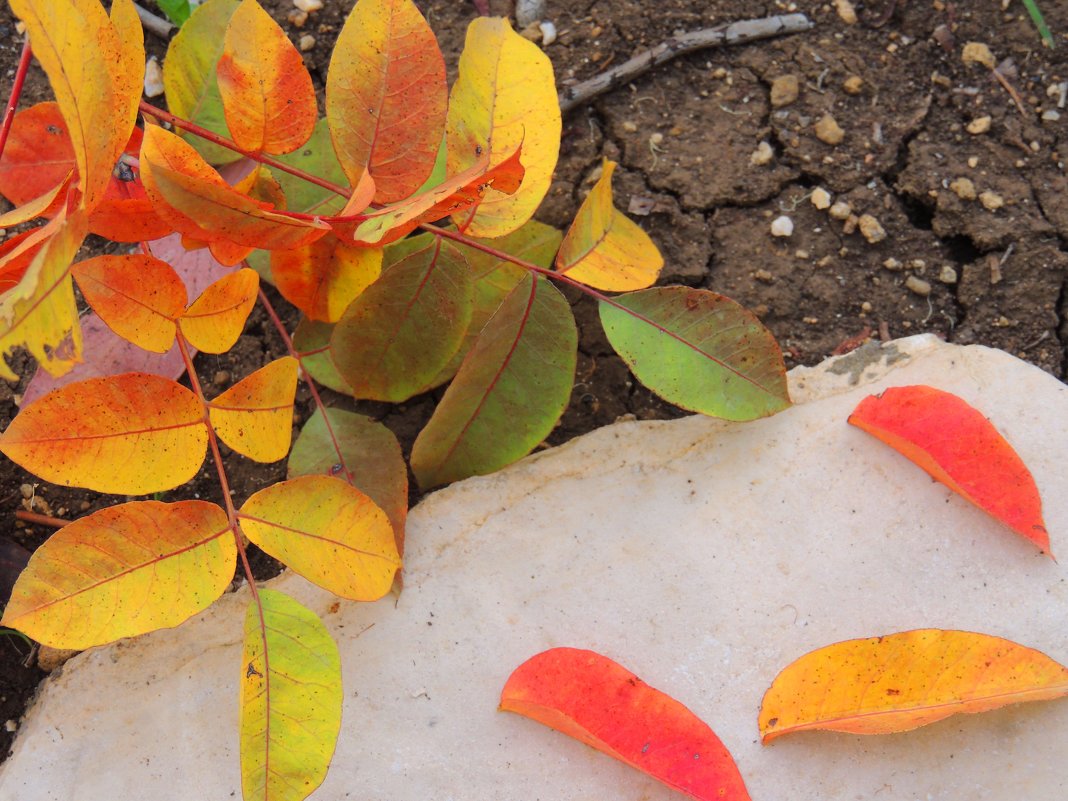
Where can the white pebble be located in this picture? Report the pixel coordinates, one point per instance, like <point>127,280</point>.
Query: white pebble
<point>840,210</point>
<point>918,285</point>
<point>782,226</point>
<point>308,5</point>
<point>528,12</point>
<point>820,198</point>
<point>307,42</point>
<point>548,33</point>
<point>153,78</point>
<point>762,155</point>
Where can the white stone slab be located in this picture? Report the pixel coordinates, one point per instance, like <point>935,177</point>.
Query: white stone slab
<point>704,556</point>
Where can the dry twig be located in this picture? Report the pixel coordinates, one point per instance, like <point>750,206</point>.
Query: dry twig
<point>153,24</point>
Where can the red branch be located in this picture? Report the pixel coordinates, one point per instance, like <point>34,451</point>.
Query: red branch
<point>16,92</point>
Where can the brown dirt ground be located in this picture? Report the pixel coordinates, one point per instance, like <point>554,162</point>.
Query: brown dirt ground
<point>684,135</point>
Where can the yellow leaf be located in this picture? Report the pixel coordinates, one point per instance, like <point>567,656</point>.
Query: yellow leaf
<point>123,571</point>
<point>39,312</point>
<point>266,90</point>
<point>137,296</point>
<point>96,68</point>
<point>216,319</point>
<point>328,531</point>
<point>899,682</point>
<point>290,700</point>
<point>36,207</point>
<point>604,248</point>
<point>128,434</point>
<point>323,278</point>
<point>504,99</point>
<point>255,416</point>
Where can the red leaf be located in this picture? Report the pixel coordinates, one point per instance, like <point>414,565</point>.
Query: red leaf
<point>959,447</point>
<point>593,699</point>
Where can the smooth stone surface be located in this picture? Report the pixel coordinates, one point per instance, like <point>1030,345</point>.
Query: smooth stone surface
<point>703,555</point>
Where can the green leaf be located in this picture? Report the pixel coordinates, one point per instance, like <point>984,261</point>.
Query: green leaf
<point>510,390</point>
<point>312,335</point>
<point>698,350</point>
<point>189,75</point>
<point>177,11</point>
<point>316,158</point>
<point>360,450</point>
<point>494,278</point>
<point>290,700</point>
<point>404,328</point>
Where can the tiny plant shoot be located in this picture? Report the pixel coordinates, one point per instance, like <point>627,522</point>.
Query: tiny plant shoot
<point>399,224</point>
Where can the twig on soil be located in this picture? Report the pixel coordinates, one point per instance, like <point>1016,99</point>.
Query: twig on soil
<point>39,519</point>
<point>735,33</point>
<point>153,24</point>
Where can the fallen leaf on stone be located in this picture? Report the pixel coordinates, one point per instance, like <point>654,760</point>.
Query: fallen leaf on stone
<point>899,682</point>
<point>959,447</point>
<point>595,700</point>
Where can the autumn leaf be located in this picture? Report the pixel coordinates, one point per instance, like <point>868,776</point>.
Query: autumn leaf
<point>214,321</point>
<point>290,699</point>
<point>16,256</point>
<point>266,91</point>
<point>311,340</point>
<point>255,416</point>
<point>900,682</point>
<point>323,278</point>
<point>38,154</point>
<point>698,350</point>
<point>602,704</point>
<point>361,451</point>
<point>398,334</point>
<point>386,97</point>
<point>124,571</point>
<point>328,531</point>
<point>316,158</point>
<point>108,434</point>
<point>604,248</point>
<point>959,447</point>
<point>509,392</point>
<point>189,75</point>
<point>503,99</point>
<point>138,296</point>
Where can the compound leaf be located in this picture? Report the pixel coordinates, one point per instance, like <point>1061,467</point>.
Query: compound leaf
<point>124,571</point>
<point>255,416</point>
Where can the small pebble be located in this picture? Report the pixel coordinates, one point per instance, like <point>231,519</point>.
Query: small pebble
<point>548,33</point>
<point>820,198</point>
<point>48,658</point>
<point>308,5</point>
<point>980,125</point>
<point>656,138</point>
<point>846,11</point>
<point>978,53</point>
<point>27,491</point>
<point>948,274</point>
<point>991,201</point>
<point>629,127</point>
<point>784,90</point>
<point>850,224</point>
<point>762,155</point>
<point>531,32</point>
<point>871,228</point>
<point>10,726</point>
<point>297,18</point>
<point>1003,322</point>
<point>828,130</point>
<point>801,254</point>
<point>918,285</point>
<point>529,11</point>
<point>764,275</point>
<point>918,264</point>
<point>782,226</point>
<point>853,85</point>
<point>963,188</point>
<point>1050,115</point>
<point>221,377</point>
<point>840,210</point>
<point>307,42</point>
<point>893,264</point>
<point>866,307</point>
<point>153,78</point>
<point>973,162</point>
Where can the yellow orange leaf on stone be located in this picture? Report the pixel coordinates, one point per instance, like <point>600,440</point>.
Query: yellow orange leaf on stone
<point>386,97</point>
<point>959,447</point>
<point>266,91</point>
<point>137,296</point>
<point>124,571</point>
<point>604,248</point>
<point>290,699</point>
<point>898,682</point>
<point>128,434</point>
<point>323,278</point>
<point>216,319</point>
<point>39,312</point>
<point>255,416</point>
<point>328,531</point>
<point>504,98</point>
<point>91,65</point>
<point>198,203</point>
<point>602,704</point>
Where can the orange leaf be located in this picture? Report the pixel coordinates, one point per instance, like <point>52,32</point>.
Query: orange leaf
<point>266,91</point>
<point>593,699</point>
<point>323,278</point>
<point>255,416</point>
<point>138,296</point>
<point>44,206</point>
<point>604,248</point>
<point>199,204</point>
<point>386,97</point>
<point>125,214</point>
<point>959,447</point>
<point>900,682</point>
<point>216,319</point>
<point>16,255</point>
<point>123,571</point>
<point>108,434</point>
<point>38,153</point>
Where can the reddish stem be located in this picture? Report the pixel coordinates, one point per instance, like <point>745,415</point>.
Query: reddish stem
<point>39,519</point>
<point>16,92</point>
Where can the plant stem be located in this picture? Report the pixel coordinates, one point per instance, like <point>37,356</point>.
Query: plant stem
<point>39,519</point>
<point>16,92</point>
